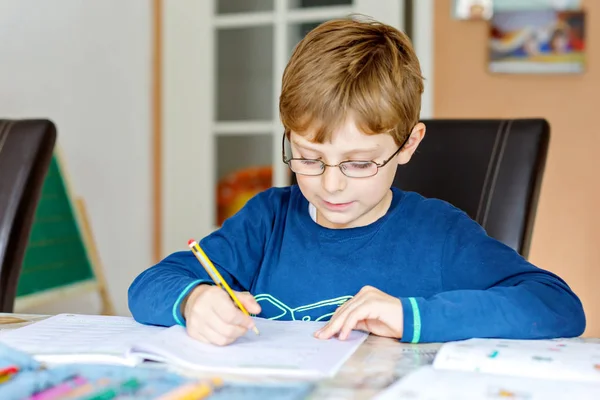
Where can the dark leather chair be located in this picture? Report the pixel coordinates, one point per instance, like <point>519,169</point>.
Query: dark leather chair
<point>26,148</point>
<point>491,169</point>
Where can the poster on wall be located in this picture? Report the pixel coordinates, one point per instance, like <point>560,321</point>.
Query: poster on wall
<point>537,41</point>
<point>484,9</point>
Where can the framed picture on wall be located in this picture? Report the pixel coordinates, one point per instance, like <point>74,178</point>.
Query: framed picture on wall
<point>537,41</point>
<point>472,9</point>
<point>515,5</point>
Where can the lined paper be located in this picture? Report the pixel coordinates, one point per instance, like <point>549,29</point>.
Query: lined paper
<point>282,348</point>
<point>66,338</point>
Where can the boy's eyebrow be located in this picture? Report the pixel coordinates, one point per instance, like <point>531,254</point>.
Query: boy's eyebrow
<point>295,143</point>
<point>353,151</point>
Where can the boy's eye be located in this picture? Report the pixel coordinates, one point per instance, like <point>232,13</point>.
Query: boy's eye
<point>309,162</point>
<point>360,165</point>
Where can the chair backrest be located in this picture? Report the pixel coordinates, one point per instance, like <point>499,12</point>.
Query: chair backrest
<point>26,148</point>
<point>491,169</point>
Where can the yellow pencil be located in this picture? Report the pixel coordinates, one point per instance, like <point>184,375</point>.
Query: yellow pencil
<point>191,391</point>
<point>216,276</point>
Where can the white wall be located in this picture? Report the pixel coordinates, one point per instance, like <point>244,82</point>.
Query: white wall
<point>87,66</point>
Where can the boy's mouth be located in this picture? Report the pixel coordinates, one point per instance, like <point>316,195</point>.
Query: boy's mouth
<point>336,206</point>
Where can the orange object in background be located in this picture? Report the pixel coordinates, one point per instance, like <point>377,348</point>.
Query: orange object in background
<point>234,190</point>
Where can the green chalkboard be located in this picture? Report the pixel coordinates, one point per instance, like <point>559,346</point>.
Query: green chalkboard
<point>56,255</point>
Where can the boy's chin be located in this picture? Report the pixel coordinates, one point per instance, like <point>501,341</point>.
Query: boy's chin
<point>338,220</point>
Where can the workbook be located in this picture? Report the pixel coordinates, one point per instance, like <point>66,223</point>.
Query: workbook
<point>515,369</point>
<point>72,338</point>
<point>284,348</point>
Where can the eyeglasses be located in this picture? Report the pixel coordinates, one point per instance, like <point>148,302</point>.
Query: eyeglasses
<point>350,168</point>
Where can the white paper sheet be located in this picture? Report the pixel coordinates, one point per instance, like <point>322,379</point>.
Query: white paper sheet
<point>452,385</point>
<point>72,338</point>
<point>285,348</point>
<point>547,359</point>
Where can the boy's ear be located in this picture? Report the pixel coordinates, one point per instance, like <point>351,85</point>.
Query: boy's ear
<point>417,134</point>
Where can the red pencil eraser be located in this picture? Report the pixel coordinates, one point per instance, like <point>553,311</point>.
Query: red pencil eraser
<point>190,242</point>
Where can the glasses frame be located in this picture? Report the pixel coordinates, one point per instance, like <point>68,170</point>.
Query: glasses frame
<point>324,165</point>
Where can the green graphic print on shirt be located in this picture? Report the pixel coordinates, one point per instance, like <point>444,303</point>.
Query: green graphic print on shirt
<point>274,309</point>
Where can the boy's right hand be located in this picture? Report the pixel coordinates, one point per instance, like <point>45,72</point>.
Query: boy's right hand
<point>212,317</point>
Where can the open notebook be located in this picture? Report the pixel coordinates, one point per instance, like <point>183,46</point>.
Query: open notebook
<point>282,348</point>
<point>515,369</point>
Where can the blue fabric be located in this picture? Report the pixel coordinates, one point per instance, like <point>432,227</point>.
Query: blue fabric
<point>464,283</point>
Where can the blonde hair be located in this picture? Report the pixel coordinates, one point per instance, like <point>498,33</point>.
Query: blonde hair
<point>345,67</point>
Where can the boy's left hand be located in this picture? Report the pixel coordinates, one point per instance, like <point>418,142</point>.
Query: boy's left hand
<point>370,310</point>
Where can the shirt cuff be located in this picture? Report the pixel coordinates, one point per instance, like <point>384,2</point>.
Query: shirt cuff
<point>177,316</point>
<point>411,332</point>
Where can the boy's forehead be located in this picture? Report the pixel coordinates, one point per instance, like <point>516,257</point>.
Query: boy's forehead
<point>347,133</point>
<point>343,141</point>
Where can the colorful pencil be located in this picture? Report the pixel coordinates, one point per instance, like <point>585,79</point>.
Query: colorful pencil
<point>60,389</point>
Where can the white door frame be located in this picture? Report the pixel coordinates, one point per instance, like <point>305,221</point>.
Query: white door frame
<point>423,30</point>
<point>188,200</point>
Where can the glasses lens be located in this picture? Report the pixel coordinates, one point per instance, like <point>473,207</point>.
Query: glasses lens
<point>359,169</point>
<point>306,167</point>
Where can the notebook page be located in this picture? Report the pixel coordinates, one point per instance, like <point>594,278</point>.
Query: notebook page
<point>79,338</point>
<point>282,348</point>
<point>547,359</point>
<point>452,385</point>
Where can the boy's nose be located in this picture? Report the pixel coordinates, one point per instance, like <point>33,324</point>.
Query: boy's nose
<point>333,180</point>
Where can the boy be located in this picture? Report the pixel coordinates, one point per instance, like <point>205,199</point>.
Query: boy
<point>343,245</point>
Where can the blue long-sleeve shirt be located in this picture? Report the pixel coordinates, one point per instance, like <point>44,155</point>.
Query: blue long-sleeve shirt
<point>454,281</point>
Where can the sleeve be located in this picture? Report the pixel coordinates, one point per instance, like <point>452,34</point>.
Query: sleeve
<point>236,250</point>
<point>490,291</point>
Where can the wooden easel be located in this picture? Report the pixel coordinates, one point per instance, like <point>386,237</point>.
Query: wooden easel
<point>98,282</point>
<point>90,245</point>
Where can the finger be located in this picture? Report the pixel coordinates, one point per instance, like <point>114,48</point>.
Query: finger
<point>215,337</point>
<point>336,314</point>
<point>339,313</point>
<point>204,329</point>
<point>335,325</point>
<point>193,327</point>
<point>229,313</point>
<point>352,321</point>
<point>363,293</point>
<point>345,305</point>
<point>231,331</point>
<point>196,327</point>
<point>194,330</point>
<point>249,302</point>
<point>195,334</point>
<point>362,326</point>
